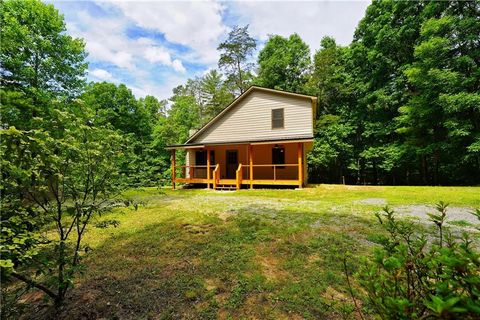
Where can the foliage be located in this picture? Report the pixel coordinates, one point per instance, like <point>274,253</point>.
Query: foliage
<point>442,116</point>
<point>62,177</point>
<point>60,165</point>
<point>116,107</point>
<point>410,278</point>
<point>36,55</point>
<point>284,63</point>
<point>215,94</point>
<point>236,51</point>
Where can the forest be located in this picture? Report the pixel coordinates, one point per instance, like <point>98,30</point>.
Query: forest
<point>399,105</point>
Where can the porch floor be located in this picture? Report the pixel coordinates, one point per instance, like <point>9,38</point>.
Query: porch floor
<point>292,182</point>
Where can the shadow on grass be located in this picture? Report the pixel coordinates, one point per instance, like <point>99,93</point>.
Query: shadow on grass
<point>256,263</point>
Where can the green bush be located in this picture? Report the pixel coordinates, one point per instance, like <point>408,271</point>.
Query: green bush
<point>423,275</point>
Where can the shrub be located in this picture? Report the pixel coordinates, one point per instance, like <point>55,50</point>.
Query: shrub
<point>420,275</point>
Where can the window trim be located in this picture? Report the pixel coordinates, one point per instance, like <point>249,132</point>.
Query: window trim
<point>283,119</point>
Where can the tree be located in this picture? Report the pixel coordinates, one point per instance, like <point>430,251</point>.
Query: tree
<point>284,63</point>
<point>235,54</point>
<point>36,55</point>
<point>215,94</point>
<point>155,108</point>
<point>59,167</point>
<point>442,116</point>
<point>116,105</point>
<point>64,176</point>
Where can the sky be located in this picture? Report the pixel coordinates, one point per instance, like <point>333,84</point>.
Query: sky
<point>154,46</point>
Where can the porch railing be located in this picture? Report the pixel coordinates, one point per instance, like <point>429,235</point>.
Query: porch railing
<point>239,176</point>
<point>216,176</point>
<point>274,167</point>
<point>250,174</point>
<point>192,170</point>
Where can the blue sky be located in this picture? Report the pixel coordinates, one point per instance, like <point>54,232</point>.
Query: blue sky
<point>153,46</point>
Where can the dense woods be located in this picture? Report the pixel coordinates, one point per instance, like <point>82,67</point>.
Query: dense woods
<point>399,105</point>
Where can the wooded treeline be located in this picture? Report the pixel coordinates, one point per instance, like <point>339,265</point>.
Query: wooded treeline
<point>399,105</point>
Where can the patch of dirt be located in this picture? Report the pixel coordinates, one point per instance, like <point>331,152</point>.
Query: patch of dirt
<point>313,258</point>
<point>197,229</point>
<point>32,296</point>
<point>225,215</point>
<point>221,297</point>
<point>211,284</point>
<point>334,295</point>
<point>270,266</point>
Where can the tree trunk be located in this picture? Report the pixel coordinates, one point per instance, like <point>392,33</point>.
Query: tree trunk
<point>424,170</point>
<point>437,165</point>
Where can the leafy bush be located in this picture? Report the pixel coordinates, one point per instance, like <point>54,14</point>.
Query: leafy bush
<point>423,275</point>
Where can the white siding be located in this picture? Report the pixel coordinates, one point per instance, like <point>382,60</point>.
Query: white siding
<point>251,120</point>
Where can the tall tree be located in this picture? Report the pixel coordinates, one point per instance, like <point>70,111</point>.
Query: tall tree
<point>154,107</point>
<point>36,53</point>
<point>215,94</point>
<point>58,166</point>
<point>284,63</point>
<point>383,44</point>
<point>116,105</point>
<point>235,56</point>
<point>332,158</point>
<point>442,116</point>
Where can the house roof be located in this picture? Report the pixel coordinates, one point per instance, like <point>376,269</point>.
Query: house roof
<point>239,99</point>
<point>260,141</point>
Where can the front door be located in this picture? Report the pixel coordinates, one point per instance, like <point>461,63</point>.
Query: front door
<point>232,163</point>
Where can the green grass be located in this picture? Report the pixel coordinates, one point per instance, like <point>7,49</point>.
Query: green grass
<point>264,254</point>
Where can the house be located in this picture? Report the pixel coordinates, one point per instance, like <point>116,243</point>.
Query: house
<point>261,138</point>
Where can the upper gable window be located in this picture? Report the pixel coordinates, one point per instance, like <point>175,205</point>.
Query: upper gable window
<point>277,118</point>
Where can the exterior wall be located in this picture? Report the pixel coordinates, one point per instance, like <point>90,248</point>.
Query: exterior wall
<point>251,120</point>
<point>189,161</point>
<point>262,154</point>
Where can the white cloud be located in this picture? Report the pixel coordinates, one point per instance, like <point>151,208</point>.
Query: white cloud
<point>178,66</point>
<point>101,74</point>
<point>196,24</point>
<point>310,19</point>
<point>158,54</point>
<point>106,41</point>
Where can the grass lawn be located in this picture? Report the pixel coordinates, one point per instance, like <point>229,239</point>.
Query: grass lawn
<point>251,254</point>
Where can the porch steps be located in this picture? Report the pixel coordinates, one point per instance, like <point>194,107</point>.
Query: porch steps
<point>226,187</point>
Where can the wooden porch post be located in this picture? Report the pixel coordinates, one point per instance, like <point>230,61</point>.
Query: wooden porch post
<point>173,169</point>
<point>208,168</point>
<point>250,160</point>
<point>300,165</point>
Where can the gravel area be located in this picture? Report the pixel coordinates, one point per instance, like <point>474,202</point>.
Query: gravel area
<point>421,212</point>
<point>373,201</point>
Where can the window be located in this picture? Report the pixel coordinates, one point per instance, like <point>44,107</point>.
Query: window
<point>278,155</point>
<point>277,118</point>
<point>201,157</point>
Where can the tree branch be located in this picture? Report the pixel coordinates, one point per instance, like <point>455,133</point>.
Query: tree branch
<point>35,284</point>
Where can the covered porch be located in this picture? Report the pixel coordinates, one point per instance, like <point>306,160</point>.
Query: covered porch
<point>242,164</point>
